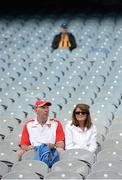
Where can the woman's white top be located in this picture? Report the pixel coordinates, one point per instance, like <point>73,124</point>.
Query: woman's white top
<point>75,138</point>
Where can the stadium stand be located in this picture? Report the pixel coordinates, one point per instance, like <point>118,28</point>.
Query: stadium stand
<point>91,73</point>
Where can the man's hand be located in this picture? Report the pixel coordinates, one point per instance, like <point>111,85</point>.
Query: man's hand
<point>67,38</point>
<point>51,145</point>
<point>30,147</point>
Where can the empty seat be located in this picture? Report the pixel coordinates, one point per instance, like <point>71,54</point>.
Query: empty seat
<point>3,169</point>
<point>115,135</point>
<point>79,154</point>
<point>115,128</point>
<point>63,175</point>
<point>72,165</point>
<point>112,142</point>
<point>104,175</point>
<point>7,155</point>
<point>21,175</point>
<point>109,155</point>
<point>114,166</point>
<point>36,166</point>
<point>29,155</point>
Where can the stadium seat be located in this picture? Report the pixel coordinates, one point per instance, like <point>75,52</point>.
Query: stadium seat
<point>3,169</point>
<point>63,175</point>
<point>112,142</point>
<point>79,154</point>
<point>104,175</point>
<point>109,155</point>
<point>72,165</point>
<point>114,166</point>
<point>38,167</point>
<point>21,175</point>
<point>29,155</point>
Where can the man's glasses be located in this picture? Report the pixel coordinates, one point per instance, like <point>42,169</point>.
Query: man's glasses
<point>81,112</point>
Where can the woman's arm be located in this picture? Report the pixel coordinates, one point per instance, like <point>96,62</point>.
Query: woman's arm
<point>93,140</point>
<point>69,144</point>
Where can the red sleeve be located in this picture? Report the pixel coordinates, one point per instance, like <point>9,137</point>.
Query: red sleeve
<point>25,136</point>
<point>59,132</point>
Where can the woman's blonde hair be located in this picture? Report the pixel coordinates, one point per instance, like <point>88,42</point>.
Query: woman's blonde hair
<point>84,108</point>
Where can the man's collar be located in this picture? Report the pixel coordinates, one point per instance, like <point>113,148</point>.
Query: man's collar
<point>46,123</point>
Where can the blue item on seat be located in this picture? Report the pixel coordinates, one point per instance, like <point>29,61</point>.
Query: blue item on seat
<point>46,154</point>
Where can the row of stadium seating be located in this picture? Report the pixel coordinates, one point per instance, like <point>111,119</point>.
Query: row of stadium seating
<point>90,74</point>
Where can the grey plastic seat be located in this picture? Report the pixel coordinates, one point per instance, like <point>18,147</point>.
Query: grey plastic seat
<point>79,154</point>
<point>102,69</point>
<point>5,79</point>
<point>108,96</point>
<point>3,169</point>
<point>18,89</point>
<point>5,102</point>
<point>15,113</point>
<point>115,128</point>
<point>7,155</point>
<point>104,175</point>
<point>79,68</point>
<point>4,130</point>
<point>114,166</point>
<point>101,119</point>
<point>72,79</point>
<point>12,141</point>
<point>9,122</point>
<point>10,94</point>
<point>4,84</point>
<point>79,54</point>
<point>36,166</point>
<point>66,91</point>
<point>95,79</point>
<point>77,99</point>
<point>112,142</point>
<point>72,165</point>
<point>102,113</point>
<point>29,155</point>
<point>117,119</point>
<point>63,175</point>
<point>60,65</point>
<point>49,79</point>
<point>100,139</point>
<point>109,155</point>
<point>101,129</point>
<point>21,175</point>
<point>60,52</point>
<point>103,107</point>
<point>115,135</point>
<point>12,75</point>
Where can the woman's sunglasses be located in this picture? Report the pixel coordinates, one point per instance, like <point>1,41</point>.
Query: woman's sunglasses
<point>81,112</point>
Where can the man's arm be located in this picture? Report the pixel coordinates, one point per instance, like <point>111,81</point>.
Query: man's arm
<point>73,41</point>
<point>25,142</point>
<point>60,146</point>
<point>55,42</point>
<point>59,138</point>
<point>26,147</point>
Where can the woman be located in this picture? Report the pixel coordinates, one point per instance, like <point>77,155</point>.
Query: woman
<point>81,133</point>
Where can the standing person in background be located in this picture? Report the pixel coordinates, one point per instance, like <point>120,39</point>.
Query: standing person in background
<point>41,130</point>
<point>81,133</point>
<point>64,39</point>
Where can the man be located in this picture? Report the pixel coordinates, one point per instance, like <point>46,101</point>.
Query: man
<point>41,130</point>
<point>64,39</point>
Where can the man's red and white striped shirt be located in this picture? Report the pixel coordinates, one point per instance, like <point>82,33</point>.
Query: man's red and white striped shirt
<point>35,134</point>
